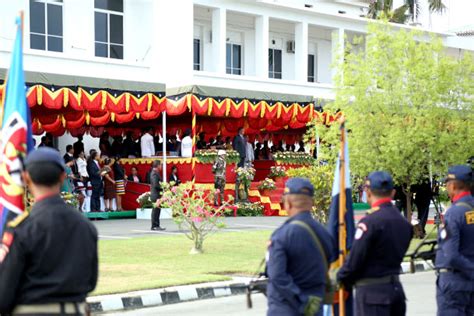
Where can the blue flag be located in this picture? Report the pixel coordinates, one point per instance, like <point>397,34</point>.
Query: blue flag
<point>16,139</point>
<point>342,189</point>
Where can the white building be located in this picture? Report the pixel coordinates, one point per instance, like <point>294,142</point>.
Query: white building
<point>273,46</point>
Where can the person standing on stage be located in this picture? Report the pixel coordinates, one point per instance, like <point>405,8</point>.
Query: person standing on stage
<point>187,144</point>
<point>147,144</point>
<point>219,170</point>
<point>155,194</point>
<point>93,169</point>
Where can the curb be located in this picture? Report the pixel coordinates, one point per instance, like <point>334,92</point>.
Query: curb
<point>162,297</point>
<point>180,294</point>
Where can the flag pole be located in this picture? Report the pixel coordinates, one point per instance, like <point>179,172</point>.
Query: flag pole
<point>342,212</point>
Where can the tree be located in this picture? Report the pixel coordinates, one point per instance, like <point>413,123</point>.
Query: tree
<point>409,10</point>
<point>408,106</point>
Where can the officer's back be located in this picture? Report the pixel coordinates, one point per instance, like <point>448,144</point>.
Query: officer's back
<point>52,257</point>
<point>295,267</point>
<point>455,254</point>
<point>381,241</point>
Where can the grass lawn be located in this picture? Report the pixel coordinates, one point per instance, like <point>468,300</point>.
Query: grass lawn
<point>415,242</point>
<point>145,263</point>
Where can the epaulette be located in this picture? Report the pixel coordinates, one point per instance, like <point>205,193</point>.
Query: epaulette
<point>18,220</point>
<point>373,210</point>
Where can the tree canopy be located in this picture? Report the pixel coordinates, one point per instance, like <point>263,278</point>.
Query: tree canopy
<point>408,106</point>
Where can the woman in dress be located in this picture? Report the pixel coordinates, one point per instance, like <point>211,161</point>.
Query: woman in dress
<point>68,185</point>
<point>109,184</point>
<point>119,174</point>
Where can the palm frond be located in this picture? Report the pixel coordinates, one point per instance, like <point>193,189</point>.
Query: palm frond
<point>399,15</point>
<point>436,6</point>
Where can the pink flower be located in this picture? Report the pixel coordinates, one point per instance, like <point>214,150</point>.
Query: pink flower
<point>218,191</point>
<point>196,219</point>
<point>173,189</point>
<point>200,210</point>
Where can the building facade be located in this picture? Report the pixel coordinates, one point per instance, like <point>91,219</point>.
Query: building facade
<point>275,46</point>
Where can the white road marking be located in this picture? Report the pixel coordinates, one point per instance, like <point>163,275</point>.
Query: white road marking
<point>258,226</point>
<point>114,237</point>
<point>156,232</point>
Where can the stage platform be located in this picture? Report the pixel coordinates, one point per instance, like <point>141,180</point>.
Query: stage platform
<point>111,215</point>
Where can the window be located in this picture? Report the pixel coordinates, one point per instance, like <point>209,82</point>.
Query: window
<point>197,54</point>
<point>108,24</point>
<point>310,68</point>
<point>274,63</point>
<point>46,25</point>
<point>233,59</point>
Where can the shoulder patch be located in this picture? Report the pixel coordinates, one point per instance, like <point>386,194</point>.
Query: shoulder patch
<point>373,210</point>
<point>18,220</point>
<point>469,217</point>
<point>361,229</point>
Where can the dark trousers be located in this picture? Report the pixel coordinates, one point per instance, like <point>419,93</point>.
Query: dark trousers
<point>380,300</point>
<point>95,197</point>
<point>423,207</point>
<point>450,299</point>
<point>155,217</point>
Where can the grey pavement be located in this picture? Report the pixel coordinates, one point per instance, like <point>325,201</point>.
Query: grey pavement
<point>419,289</point>
<point>133,228</point>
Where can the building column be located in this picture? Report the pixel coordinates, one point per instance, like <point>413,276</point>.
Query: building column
<point>337,50</point>
<point>172,66</point>
<point>261,46</point>
<point>219,36</point>
<point>301,51</point>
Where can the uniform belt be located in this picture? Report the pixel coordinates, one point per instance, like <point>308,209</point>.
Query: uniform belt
<point>374,281</point>
<point>446,270</point>
<point>51,308</point>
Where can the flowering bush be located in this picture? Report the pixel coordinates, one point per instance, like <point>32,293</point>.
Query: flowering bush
<point>210,155</point>
<point>144,201</point>
<point>321,177</point>
<point>193,211</point>
<point>289,157</point>
<point>277,172</point>
<point>249,209</point>
<point>245,175</point>
<point>267,184</point>
<point>70,199</point>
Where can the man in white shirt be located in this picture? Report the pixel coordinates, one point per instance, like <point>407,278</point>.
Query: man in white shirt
<point>250,156</point>
<point>187,145</point>
<point>147,144</point>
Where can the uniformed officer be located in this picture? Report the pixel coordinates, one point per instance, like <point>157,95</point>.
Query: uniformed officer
<point>48,261</point>
<point>455,254</point>
<point>299,253</point>
<point>219,170</point>
<point>381,241</point>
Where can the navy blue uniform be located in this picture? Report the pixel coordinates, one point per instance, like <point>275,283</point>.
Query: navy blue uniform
<point>381,241</point>
<point>455,259</point>
<point>295,266</point>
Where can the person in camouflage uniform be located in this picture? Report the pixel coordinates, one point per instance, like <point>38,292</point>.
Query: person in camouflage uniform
<point>219,170</point>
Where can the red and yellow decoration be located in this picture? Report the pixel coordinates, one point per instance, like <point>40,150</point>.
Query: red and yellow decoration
<point>58,110</point>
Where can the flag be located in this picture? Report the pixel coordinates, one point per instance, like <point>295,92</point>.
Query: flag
<point>341,208</point>
<point>16,139</point>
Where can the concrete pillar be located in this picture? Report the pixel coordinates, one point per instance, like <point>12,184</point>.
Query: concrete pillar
<point>172,52</point>
<point>261,46</point>
<point>219,39</point>
<point>337,49</point>
<point>301,51</point>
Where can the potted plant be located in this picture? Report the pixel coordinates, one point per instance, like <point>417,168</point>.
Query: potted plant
<point>249,209</point>
<point>277,173</point>
<point>245,176</point>
<point>266,186</point>
<point>146,206</point>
